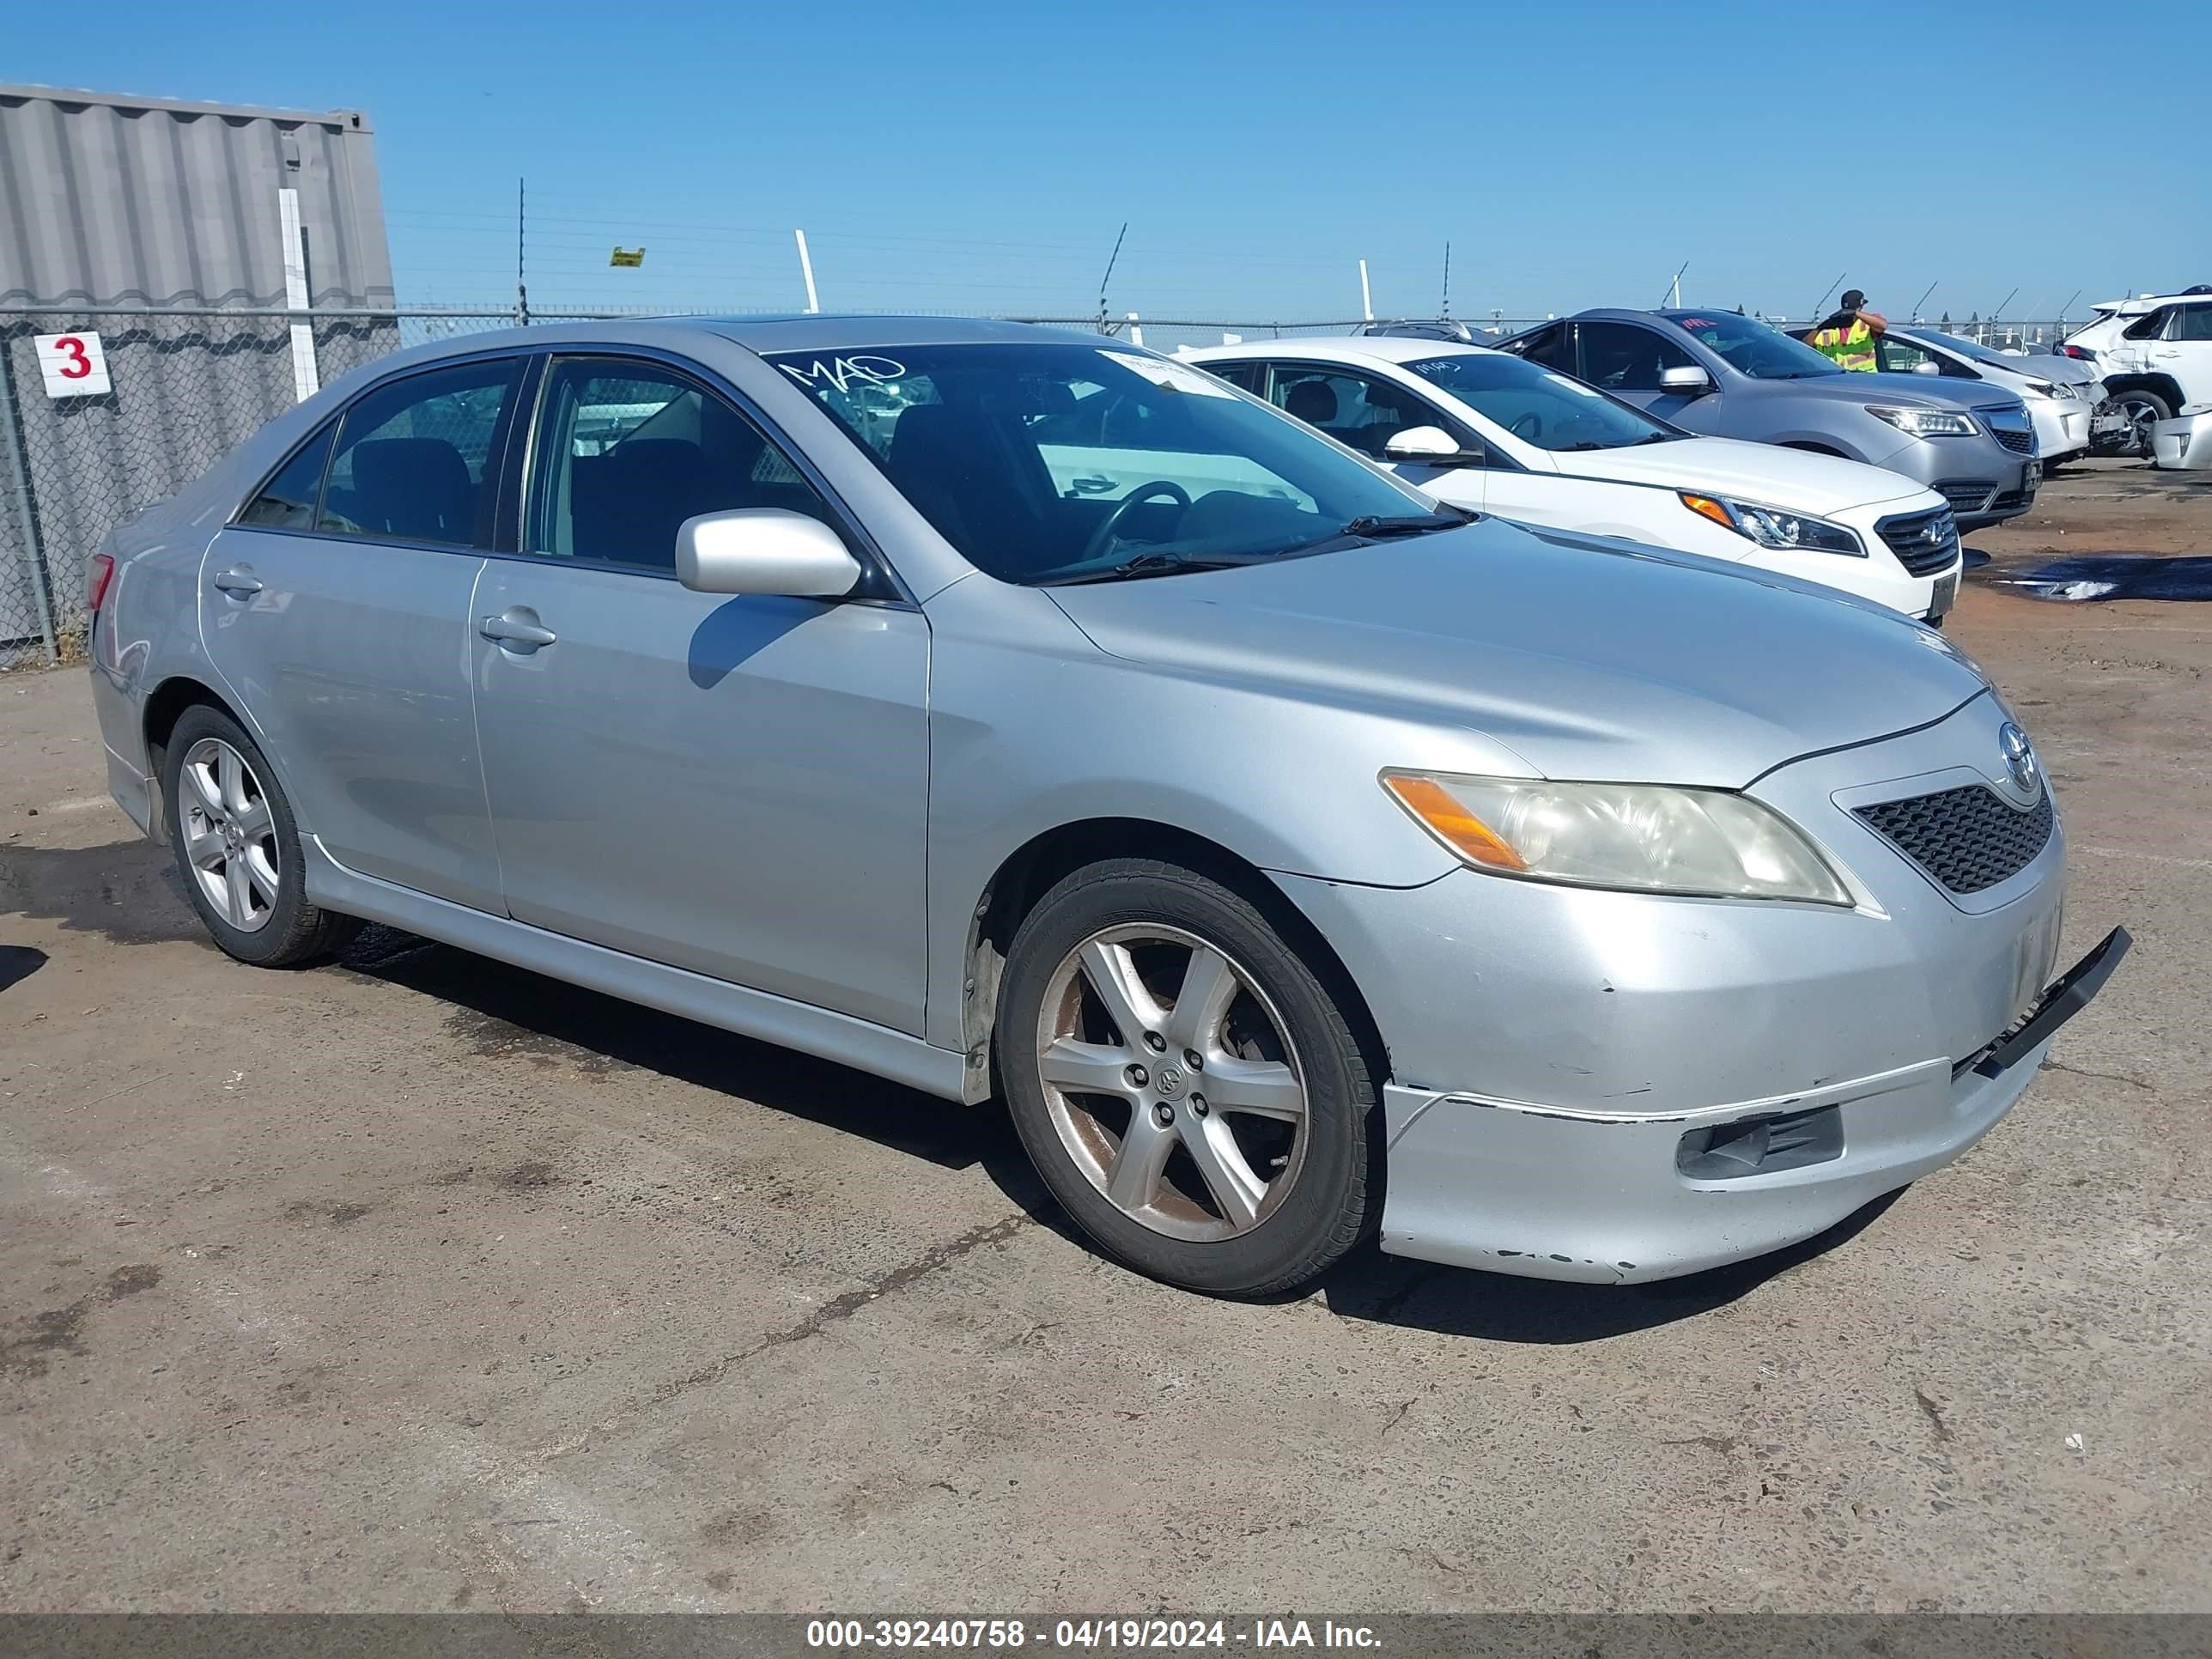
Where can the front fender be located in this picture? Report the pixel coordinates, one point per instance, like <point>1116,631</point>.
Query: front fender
<point>1018,747</point>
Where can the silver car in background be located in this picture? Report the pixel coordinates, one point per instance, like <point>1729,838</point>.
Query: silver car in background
<point>1726,376</point>
<point>2064,396</point>
<point>1297,859</point>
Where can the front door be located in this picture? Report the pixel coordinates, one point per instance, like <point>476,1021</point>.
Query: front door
<point>335,610</point>
<point>737,786</point>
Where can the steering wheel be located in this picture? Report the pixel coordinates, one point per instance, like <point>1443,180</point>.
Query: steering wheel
<point>1533,421</point>
<point>1107,534</point>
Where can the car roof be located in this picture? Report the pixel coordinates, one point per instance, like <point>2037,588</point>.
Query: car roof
<point>1338,349</point>
<point>854,331</point>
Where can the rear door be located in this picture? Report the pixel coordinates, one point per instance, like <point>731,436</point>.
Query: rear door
<point>734,786</point>
<point>335,610</point>
<point>1627,359</point>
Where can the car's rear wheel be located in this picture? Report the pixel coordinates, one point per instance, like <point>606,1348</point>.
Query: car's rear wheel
<point>238,848</point>
<point>1185,1084</point>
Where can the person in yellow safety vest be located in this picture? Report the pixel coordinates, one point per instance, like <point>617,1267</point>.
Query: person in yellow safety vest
<point>1848,337</point>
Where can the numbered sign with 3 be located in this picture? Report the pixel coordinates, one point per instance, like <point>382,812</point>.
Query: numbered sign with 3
<point>73,365</point>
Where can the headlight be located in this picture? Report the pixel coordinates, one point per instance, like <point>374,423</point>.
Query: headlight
<point>2042,390</point>
<point>1632,837</point>
<point>1924,422</point>
<point>1770,527</point>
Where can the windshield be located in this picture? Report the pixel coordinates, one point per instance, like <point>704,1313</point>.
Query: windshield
<point>1052,462</point>
<point>1537,406</point>
<point>1754,348</point>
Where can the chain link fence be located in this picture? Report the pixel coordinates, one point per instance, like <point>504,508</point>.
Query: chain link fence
<point>186,385</point>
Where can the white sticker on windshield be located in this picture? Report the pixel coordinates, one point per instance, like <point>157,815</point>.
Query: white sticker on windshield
<point>1174,377</point>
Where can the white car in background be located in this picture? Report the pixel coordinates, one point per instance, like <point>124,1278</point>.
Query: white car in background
<point>2064,396</point>
<point>2155,356</point>
<point>1488,430</point>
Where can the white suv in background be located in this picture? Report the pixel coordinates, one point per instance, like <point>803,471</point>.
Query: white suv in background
<point>2155,356</point>
<point>1492,431</point>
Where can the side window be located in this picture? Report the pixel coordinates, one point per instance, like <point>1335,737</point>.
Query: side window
<point>287,502</point>
<point>2149,327</point>
<point>1244,375</point>
<point>1354,409</point>
<point>1903,358</point>
<point>417,458</point>
<point>626,450</point>
<point>2196,322</point>
<point>1622,357</point>
<point>1549,347</point>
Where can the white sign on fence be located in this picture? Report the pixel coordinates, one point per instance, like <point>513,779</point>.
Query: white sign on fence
<point>74,365</point>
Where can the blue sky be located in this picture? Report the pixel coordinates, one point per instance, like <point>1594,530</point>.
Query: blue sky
<point>981,157</point>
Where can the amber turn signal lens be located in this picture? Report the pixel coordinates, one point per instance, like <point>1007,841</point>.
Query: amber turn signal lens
<point>1708,507</point>
<point>1452,824</point>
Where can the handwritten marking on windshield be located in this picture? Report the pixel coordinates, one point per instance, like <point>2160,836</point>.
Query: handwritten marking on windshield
<point>841,371</point>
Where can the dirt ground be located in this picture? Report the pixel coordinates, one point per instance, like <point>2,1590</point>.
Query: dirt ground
<point>418,1282</point>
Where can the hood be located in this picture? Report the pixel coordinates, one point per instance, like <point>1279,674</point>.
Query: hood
<point>1927,391</point>
<point>1765,473</point>
<point>2059,371</point>
<point>1589,659</point>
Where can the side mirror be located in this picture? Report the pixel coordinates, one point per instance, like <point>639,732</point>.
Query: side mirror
<point>764,551</point>
<point>1687,378</point>
<point>1928,366</point>
<point>1429,445</point>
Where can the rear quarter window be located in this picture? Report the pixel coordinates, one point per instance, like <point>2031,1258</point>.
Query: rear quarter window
<point>287,500</point>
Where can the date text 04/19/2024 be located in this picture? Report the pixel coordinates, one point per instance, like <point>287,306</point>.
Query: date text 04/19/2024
<point>986,1635</point>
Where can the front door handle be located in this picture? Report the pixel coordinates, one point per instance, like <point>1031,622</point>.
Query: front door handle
<point>241,582</point>
<point>517,630</point>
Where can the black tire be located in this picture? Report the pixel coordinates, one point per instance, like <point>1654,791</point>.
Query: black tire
<point>2141,407</point>
<point>1325,1208</point>
<point>295,933</point>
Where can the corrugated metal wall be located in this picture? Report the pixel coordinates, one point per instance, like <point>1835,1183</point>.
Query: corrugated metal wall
<point>109,204</point>
<point>111,201</point>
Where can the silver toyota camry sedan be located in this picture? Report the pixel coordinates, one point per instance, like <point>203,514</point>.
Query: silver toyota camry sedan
<point>1019,714</point>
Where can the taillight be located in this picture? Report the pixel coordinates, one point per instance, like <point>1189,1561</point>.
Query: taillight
<point>98,577</point>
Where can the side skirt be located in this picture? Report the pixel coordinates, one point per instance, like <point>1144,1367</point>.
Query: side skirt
<point>818,1031</point>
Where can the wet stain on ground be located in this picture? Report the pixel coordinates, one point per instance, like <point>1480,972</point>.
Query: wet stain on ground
<point>126,890</point>
<point>60,1330</point>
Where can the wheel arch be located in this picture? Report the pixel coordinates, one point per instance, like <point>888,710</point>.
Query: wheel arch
<point>1811,448</point>
<point>1032,870</point>
<point>165,707</point>
<point>2158,385</point>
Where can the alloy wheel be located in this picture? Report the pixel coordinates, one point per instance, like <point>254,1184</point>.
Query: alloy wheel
<point>230,833</point>
<point>1172,1081</point>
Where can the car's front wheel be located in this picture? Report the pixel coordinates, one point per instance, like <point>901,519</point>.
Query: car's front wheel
<point>1186,1084</point>
<point>2143,410</point>
<point>238,848</point>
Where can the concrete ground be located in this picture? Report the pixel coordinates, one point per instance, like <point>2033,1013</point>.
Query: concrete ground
<point>419,1282</point>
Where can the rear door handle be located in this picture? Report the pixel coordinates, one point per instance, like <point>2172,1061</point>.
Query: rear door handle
<point>517,630</point>
<point>241,582</point>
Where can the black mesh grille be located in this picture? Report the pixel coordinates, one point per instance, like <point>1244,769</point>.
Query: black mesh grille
<point>1967,839</point>
<point>1909,537</point>
<point>1965,495</point>
<point>2010,426</point>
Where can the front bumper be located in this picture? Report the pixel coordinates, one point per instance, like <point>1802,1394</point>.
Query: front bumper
<point>1573,1071</point>
<point>1524,1189</point>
